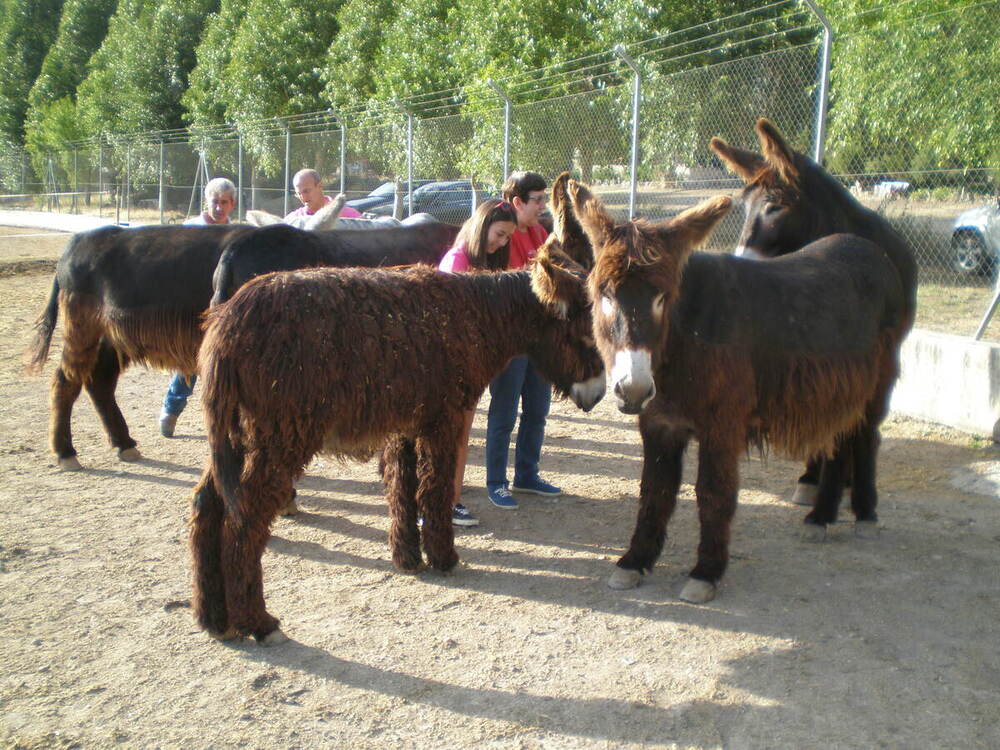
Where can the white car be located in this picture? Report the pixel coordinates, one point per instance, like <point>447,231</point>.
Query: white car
<point>975,240</point>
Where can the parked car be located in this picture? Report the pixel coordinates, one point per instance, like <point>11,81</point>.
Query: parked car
<point>975,240</point>
<point>381,196</point>
<point>449,201</point>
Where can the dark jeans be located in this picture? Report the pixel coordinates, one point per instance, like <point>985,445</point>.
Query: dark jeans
<point>520,382</point>
<point>177,394</point>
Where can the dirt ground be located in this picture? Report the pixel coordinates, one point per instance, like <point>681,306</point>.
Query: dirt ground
<point>850,643</point>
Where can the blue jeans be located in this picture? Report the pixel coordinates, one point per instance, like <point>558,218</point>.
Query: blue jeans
<point>177,394</point>
<point>520,382</point>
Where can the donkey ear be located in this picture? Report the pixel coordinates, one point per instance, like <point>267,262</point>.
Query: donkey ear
<point>692,227</point>
<point>326,217</point>
<point>565,226</point>
<point>777,152</point>
<point>590,212</point>
<point>257,218</point>
<point>743,163</point>
<point>551,282</point>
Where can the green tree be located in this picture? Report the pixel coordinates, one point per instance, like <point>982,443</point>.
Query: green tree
<point>914,88</point>
<point>137,76</point>
<point>274,69</point>
<point>205,100</point>
<point>27,28</point>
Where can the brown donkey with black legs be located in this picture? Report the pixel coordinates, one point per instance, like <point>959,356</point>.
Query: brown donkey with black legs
<point>790,201</point>
<point>348,362</point>
<point>799,354</point>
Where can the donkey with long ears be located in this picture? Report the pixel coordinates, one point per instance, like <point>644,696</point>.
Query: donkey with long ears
<point>349,362</point>
<point>790,201</point>
<point>799,353</point>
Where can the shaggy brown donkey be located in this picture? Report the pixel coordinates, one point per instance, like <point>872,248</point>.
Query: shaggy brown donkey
<point>347,362</point>
<point>791,201</point>
<point>799,353</point>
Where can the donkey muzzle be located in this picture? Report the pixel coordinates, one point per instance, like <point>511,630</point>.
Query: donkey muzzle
<point>632,380</point>
<point>586,394</point>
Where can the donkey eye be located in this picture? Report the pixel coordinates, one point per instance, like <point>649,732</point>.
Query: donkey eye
<point>607,307</point>
<point>773,208</point>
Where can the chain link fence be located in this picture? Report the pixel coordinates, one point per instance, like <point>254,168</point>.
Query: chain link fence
<point>586,126</point>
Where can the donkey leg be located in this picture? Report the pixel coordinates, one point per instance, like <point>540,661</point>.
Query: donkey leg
<point>436,453</point>
<point>716,489</point>
<point>831,490</point>
<point>63,393</point>
<point>265,490</point>
<point>663,457</point>
<point>864,495</point>
<point>807,487</point>
<point>399,475</point>
<point>101,388</point>
<point>209,598</point>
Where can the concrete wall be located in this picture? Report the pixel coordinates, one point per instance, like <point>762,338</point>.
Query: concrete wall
<point>951,380</point>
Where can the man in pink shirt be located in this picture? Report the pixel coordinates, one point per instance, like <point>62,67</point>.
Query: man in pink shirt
<point>309,190</point>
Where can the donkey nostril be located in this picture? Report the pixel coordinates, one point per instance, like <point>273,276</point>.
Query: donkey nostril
<point>619,391</point>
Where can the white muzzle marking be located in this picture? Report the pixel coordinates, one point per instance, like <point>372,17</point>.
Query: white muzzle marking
<point>586,394</point>
<point>632,378</point>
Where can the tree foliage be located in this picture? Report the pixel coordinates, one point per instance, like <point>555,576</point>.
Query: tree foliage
<point>27,28</point>
<point>138,75</point>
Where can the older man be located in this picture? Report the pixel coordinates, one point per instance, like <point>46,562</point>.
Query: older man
<point>309,190</point>
<point>220,201</point>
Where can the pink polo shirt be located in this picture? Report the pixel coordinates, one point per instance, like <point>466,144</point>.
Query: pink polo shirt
<point>346,212</point>
<point>455,260</point>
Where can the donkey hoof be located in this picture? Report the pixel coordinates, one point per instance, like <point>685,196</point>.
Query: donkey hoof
<point>231,634</point>
<point>289,510</point>
<point>866,529</point>
<point>128,455</point>
<point>697,591</point>
<point>813,532</point>
<point>274,638</point>
<point>805,494</point>
<point>70,463</point>
<point>622,579</point>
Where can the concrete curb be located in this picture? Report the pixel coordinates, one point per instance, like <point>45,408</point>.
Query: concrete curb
<point>952,380</point>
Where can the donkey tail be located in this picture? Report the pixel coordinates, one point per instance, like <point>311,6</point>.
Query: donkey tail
<point>220,399</point>
<point>44,327</point>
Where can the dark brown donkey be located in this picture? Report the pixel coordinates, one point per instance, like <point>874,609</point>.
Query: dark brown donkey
<point>137,295</point>
<point>349,362</point>
<point>799,353</point>
<point>791,201</point>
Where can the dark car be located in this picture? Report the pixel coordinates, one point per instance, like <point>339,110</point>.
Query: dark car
<point>381,196</point>
<point>450,201</point>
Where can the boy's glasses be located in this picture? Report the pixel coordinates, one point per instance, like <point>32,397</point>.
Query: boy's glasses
<point>539,199</point>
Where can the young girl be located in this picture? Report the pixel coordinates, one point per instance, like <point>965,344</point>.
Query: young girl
<point>482,244</point>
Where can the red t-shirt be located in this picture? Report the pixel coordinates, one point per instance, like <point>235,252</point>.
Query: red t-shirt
<point>524,244</point>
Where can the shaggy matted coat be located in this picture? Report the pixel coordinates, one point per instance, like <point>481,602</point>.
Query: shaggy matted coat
<point>346,362</point>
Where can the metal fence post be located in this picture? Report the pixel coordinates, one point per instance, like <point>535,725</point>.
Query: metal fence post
<point>636,98</point>
<point>288,165</point>
<point>824,82</point>
<point>239,176</point>
<point>343,151</point>
<point>128,183</point>
<point>409,155</point>
<point>162,197</point>
<point>100,180</point>
<point>76,181</point>
<point>506,127</point>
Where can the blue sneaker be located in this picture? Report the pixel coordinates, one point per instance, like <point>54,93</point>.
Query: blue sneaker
<point>501,497</point>
<point>536,486</point>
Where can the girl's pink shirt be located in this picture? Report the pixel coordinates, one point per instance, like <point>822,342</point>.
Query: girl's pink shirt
<point>455,260</point>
